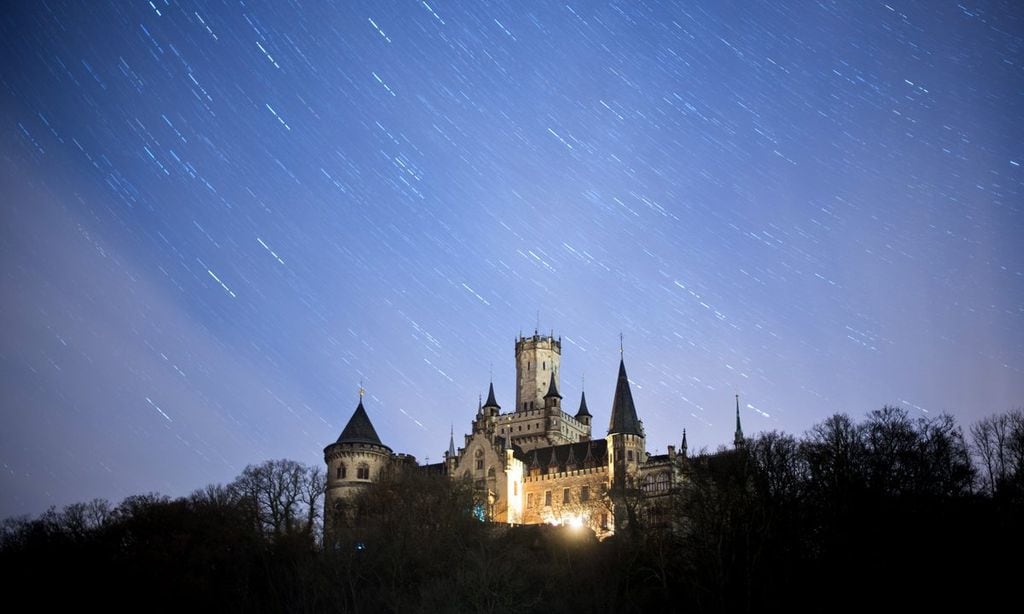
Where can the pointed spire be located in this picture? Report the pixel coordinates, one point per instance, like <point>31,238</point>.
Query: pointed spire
<point>684,447</point>
<point>552,388</point>
<point>359,428</point>
<point>738,439</point>
<point>583,412</point>
<point>451,443</point>
<point>491,402</point>
<point>624,418</point>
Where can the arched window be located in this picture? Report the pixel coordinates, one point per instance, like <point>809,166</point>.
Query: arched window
<point>341,471</point>
<point>662,483</point>
<point>490,472</point>
<point>648,484</point>
<point>363,472</point>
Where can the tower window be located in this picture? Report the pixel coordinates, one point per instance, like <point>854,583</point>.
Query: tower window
<point>363,472</point>
<point>341,471</point>
<point>480,464</point>
<point>529,499</point>
<point>584,493</point>
<point>629,455</point>
<point>547,498</point>
<point>565,495</point>
<point>544,365</point>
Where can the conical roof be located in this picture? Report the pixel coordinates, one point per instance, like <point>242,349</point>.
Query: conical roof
<point>491,402</point>
<point>583,411</point>
<point>624,418</point>
<point>552,388</point>
<point>359,428</point>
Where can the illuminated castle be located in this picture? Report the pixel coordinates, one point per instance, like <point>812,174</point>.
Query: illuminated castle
<point>537,463</point>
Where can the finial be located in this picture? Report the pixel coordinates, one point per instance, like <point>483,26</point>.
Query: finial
<point>621,351</point>
<point>362,390</point>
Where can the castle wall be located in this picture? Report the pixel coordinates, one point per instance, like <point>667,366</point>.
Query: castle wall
<point>529,429</point>
<point>545,499</point>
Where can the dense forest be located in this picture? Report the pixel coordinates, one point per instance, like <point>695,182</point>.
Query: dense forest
<point>888,512</point>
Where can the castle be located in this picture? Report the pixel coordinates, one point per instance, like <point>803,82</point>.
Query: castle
<point>537,463</point>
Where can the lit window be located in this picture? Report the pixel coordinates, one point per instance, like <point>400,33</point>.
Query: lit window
<point>565,495</point>
<point>547,498</point>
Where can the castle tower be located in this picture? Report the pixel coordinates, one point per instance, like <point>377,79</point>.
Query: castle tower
<point>537,359</point>
<point>583,414</point>
<point>626,442</point>
<point>354,461</point>
<point>553,405</point>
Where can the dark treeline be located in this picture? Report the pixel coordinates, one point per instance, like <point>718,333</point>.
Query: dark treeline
<point>884,513</point>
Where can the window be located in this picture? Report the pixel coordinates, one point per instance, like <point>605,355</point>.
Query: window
<point>520,428</point>
<point>490,472</point>
<point>565,496</point>
<point>547,498</point>
<point>529,499</point>
<point>544,366</point>
<point>527,427</point>
<point>363,472</point>
<point>527,365</point>
<point>341,471</point>
<point>604,521</point>
<point>584,493</point>
<point>629,455</point>
<point>480,463</point>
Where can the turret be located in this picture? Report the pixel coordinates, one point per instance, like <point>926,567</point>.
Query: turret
<point>626,441</point>
<point>355,460</point>
<point>583,414</point>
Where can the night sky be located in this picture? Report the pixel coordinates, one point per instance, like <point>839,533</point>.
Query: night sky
<point>220,218</point>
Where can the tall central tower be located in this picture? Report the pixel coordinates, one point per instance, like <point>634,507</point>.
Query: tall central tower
<point>537,357</point>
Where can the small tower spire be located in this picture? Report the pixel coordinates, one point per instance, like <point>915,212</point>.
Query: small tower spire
<point>552,388</point>
<point>684,447</point>
<point>451,443</point>
<point>491,401</point>
<point>738,438</point>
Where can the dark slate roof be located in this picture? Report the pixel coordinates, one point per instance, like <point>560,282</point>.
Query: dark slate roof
<point>583,454</point>
<point>552,388</point>
<point>583,406</point>
<point>624,418</point>
<point>359,428</point>
<point>435,469</point>
<point>491,402</point>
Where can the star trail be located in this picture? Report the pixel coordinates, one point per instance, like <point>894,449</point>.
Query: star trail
<point>219,218</point>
